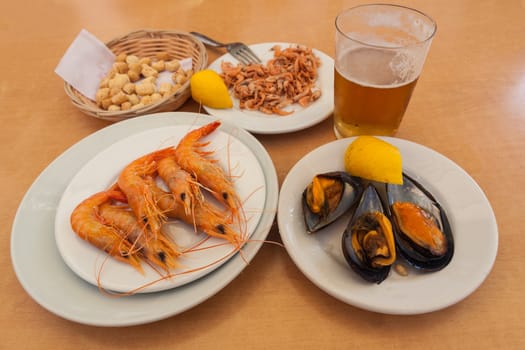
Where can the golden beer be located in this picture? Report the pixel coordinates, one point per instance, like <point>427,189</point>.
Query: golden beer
<point>370,95</point>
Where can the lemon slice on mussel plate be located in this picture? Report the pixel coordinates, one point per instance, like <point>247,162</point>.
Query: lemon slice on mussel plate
<point>371,158</point>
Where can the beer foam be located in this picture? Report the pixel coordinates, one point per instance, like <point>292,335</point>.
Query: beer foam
<point>404,66</point>
<point>416,29</point>
<point>372,39</point>
<point>378,68</point>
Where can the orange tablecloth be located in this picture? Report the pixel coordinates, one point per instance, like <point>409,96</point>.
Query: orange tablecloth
<point>469,105</point>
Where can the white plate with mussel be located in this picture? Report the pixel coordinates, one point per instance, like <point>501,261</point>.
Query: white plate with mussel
<point>419,278</point>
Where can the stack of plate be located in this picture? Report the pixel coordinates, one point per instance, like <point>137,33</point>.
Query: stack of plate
<point>48,256</point>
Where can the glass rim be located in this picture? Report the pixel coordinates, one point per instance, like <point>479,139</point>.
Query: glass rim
<point>419,42</point>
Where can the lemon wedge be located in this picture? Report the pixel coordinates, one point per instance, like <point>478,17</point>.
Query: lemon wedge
<point>374,159</point>
<point>208,88</point>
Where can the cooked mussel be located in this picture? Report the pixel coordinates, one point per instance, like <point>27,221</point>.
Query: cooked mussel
<point>368,241</point>
<point>421,227</point>
<point>327,197</point>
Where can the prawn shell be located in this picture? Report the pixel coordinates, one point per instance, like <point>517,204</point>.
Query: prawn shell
<point>415,254</point>
<point>351,192</point>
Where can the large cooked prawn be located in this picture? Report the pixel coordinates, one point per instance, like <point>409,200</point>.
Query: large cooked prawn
<point>87,224</point>
<point>192,158</point>
<point>181,184</point>
<point>132,181</point>
<point>158,249</point>
<point>126,220</point>
<point>204,216</point>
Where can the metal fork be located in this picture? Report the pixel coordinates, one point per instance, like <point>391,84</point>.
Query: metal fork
<point>239,51</point>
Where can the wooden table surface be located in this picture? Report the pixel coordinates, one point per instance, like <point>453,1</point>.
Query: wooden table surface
<point>469,105</point>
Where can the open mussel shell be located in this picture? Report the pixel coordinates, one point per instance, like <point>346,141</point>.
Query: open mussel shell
<point>368,241</point>
<point>327,197</point>
<point>421,227</point>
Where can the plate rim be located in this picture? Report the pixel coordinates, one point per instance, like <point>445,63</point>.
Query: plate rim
<point>273,126</point>
<point>285,211</point>
<point>42,197</point>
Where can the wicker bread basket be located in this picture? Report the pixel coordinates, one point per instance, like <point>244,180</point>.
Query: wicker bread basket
<point>146,43</point>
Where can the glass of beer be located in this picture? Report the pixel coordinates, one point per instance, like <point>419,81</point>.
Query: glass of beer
<point>379,54</point>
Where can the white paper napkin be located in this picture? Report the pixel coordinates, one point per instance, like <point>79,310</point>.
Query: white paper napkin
<point>85,63</point>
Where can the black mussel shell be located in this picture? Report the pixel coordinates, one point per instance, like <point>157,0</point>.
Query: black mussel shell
<point>418,256</point>
<point>369,205</point>
<point>348,191</point>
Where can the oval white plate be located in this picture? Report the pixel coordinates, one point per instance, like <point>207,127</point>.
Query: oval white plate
<point>102,171</point>
<point>303,117</point>
<point>320,258</point>
<point>44,275</point>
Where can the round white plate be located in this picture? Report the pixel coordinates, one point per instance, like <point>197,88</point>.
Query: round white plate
<point>42,272</point>
<point>102,171</point>
<point>320,258</point>
<point>303,117</point>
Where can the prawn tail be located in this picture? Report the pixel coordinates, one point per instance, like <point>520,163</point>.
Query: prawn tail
<point>190,140</point>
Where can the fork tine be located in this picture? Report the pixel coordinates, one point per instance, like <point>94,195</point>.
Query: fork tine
<point>250,54</point>
<point>243,56</point>
<point>242,53</point>
<point>240,57</point>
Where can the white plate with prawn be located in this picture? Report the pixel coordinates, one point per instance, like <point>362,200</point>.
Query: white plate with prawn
<point>171,241</point>
<point>42,272</point>
<point>301,118</point>
<point>319,255</point>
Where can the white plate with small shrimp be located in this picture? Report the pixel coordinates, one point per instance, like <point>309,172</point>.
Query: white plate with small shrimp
<point>96,267</point>
<point>301,118</point>
<point>319,255</point>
